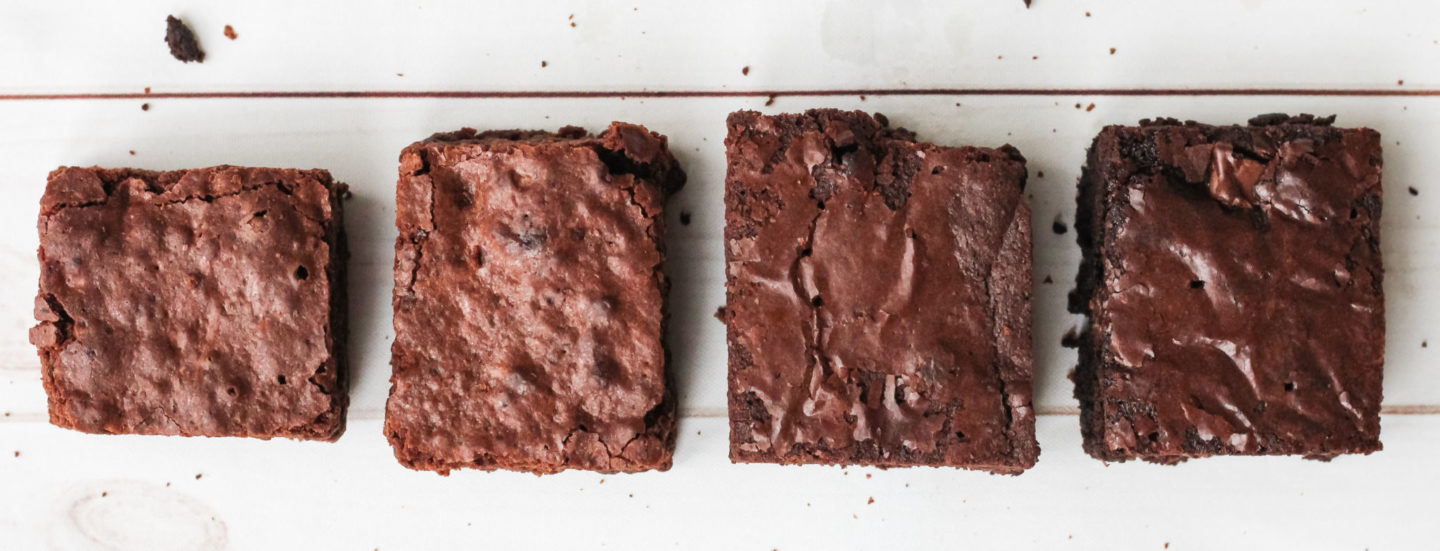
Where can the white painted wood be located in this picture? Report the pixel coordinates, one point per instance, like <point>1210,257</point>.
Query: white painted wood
<point>352,495</point>
<point>63,46</point>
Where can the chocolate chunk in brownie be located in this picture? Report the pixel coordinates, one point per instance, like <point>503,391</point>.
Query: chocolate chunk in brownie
<point>1232,280</point>
<point>530,302</point>
<point>182,41</point>
<point>878,296</point>
<point>207,302</point>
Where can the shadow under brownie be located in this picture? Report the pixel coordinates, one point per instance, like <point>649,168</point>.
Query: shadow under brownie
<point>1232,279</point>
<point>206,302</point>
<point>530,302</point>
<point>878,296</point>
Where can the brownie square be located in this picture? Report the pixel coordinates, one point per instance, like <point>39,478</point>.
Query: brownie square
<point>530,302</point>
<point>878,296</point>
<point>206,302</point>
<point>1232,280</point>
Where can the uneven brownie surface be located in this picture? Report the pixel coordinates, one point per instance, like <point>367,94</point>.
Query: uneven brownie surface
<point>205,302</point>
<point>529,302</point>
<point>878,296</point>
<point>1232,278</point>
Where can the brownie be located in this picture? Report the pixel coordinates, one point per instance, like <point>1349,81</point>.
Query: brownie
<point>878,296</point>
<point>530,302</point>
<point>1231,277</point>
<point>181,41</point>
<point>206,302</point>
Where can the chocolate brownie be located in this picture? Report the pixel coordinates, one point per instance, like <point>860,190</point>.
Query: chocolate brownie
<point>530,302</point>
<point>878,296</point>
<point>206,302</point>
<point>1232,280</point>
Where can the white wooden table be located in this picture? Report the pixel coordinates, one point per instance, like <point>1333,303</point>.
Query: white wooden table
<point>73,76</point>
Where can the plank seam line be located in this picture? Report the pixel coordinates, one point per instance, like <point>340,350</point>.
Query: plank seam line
<point>643,93</point>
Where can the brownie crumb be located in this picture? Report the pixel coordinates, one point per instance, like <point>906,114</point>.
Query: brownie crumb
<point>1112,51</point>
<point>144,107</point>
<point>745,70</point>
<point>230,33</point>
<point>182,41</point>
<point>1400,82</point>
<point>770,101</point>
<point>684,218</point>
<point>132,151</point>
<point>104,494</point>
<point>1071,339</point>
<point>198,475</point>
<point>1423,344</point>
<point>1414,191</point>
<point>870,502</point>
<point>544,64</point>
<point>1058,226</point>
<point>1087,14</point>
<point>147,89</point>
<point>720,315</point>
<point>1089,108</point>
<point>1048,280</point>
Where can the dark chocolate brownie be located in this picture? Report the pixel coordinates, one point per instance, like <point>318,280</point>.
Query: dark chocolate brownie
<point>1232,280</point>
<point>181,41</point>
<point>878,296</point>
<point>530,302</point>
<point>207,302</point>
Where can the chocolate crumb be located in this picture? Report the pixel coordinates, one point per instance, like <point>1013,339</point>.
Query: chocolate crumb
<point>144,107</point>
<point>1414,191</point>
<point>104,494</point>
<point>132,151</point>
<point>1077,106</point>
<point>1090,108</point>
<point>862,97</point>
<point>198,475</point>
<point>770,101</point>
<point>684,218</point>
<point>230,33</point>
<point>1424,344</point>
<point>745,70</point>
<point>1058,226</point>
<point>572,24</point>
<point>867,475</point>
<point>182,41</point>
<point>544,64</point>
<point>1048,281</point>
<point>1112,51</point>
<point>1087,14</point>
<point>147,89</point>
<point>871,502</point>
<point>1071,339</point>
<point>1400,83</point>
<point>1040,174</point>
<point>720,314</point>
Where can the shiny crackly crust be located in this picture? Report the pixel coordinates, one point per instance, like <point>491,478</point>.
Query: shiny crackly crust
<point>529,302</point>
<point>206,302</point>
<point>878,296</point>
<point>1233,280</point>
